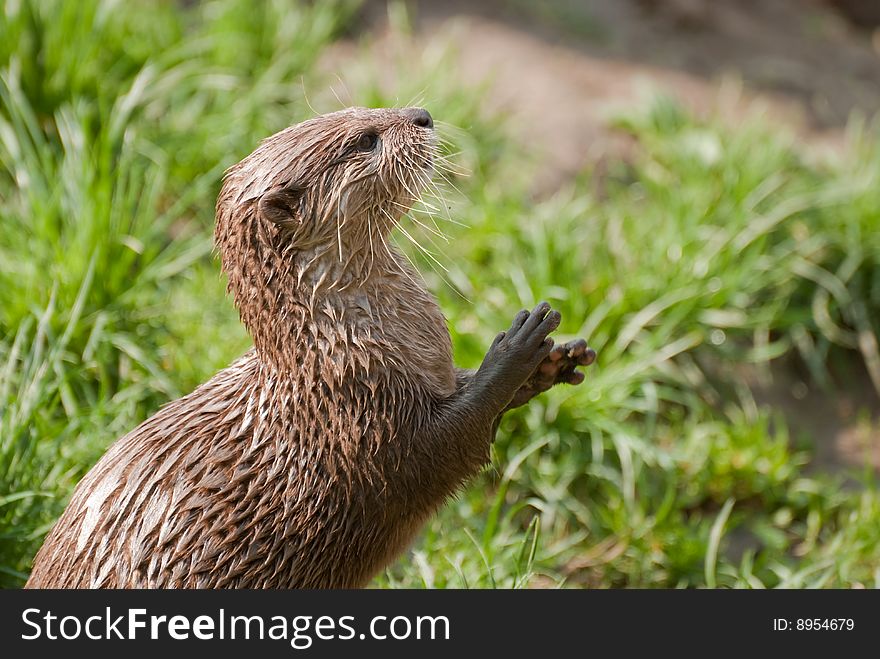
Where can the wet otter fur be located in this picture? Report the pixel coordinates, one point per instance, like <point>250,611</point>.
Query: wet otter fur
<point>313,460</point>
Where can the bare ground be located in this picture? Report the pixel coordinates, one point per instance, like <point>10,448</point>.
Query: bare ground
<point>559,69</point>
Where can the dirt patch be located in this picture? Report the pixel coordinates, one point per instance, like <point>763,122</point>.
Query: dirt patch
<point>841,419</point>
<point>559,69</point>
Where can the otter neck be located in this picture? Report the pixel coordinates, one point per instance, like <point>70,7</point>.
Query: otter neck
<point>297,303</point>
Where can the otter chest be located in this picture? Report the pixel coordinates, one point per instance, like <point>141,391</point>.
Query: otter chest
<point>399,327</point>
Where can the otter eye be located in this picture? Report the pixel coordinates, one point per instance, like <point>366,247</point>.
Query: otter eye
<point>367,141</point>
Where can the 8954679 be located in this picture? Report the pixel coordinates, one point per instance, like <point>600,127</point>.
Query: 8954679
<point>813,624</point>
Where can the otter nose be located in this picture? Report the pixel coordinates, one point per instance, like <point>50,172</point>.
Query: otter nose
<point>420,117</point>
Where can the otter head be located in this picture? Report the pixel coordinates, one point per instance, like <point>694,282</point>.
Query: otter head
<point>311,206</point>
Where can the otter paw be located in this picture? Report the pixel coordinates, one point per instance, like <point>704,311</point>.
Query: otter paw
<point>516,353</point>
<point>559,366</point>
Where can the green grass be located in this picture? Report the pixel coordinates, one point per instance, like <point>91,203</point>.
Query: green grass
<point>716,247</point>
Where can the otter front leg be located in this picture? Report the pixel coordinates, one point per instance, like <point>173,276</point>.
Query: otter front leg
<point>454,441</point>
<point>481,396</point>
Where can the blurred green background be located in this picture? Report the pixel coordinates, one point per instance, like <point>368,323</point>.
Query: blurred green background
<point>715,236</point>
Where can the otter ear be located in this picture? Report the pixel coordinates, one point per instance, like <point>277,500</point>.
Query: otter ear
<point>281,206</point>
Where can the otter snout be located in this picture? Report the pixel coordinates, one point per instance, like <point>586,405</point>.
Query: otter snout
<point>419,117</point>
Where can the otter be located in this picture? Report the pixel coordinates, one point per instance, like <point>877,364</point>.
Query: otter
<point>314,459</point>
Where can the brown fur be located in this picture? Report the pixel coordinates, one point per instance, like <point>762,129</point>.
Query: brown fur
<point>314,459</point>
